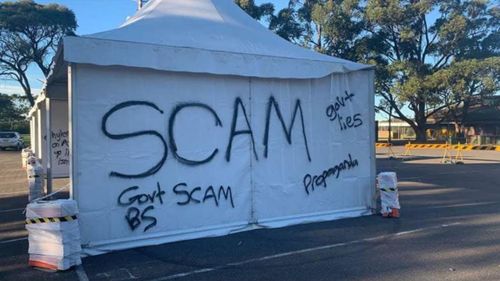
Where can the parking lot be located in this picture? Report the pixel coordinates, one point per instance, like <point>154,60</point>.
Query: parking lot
<point>449,230</point>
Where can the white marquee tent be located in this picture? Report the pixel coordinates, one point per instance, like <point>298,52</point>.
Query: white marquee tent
<point>58,131</point>
<point>193,120</point>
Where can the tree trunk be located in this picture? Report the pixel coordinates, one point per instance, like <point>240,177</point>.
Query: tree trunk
<point>25,84</point>
<point>45,70</point>
<point>29,96</point>
<point>421,135</point>
<point>421,123</point>
<point>390,125</point>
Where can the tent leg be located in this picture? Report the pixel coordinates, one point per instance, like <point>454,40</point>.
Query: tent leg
<point>48,143</point>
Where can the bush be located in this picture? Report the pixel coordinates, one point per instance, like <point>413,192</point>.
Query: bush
<point>22,127</point>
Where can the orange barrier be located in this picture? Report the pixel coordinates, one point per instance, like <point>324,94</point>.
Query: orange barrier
<point>382,144</point>
<point>454,146</point>
<point>388,146</point>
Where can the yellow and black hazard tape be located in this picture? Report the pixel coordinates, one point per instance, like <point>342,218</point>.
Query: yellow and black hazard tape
<point>48,220</point>
<point>382,144</point>
<point>388,189</point>
<point>456,146</point>
<point>476,147</point>
<point>415,145</point>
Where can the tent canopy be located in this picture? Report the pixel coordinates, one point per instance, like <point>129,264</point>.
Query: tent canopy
<point>201,36</point>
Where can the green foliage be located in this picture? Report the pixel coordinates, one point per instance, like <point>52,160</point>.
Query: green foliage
<point>468,78</point>
<point>12,107</point>
<point>285,25</point>
<point>20,126</point>
<point>12,114</point>
<point>29,33</point>
<point>429,55</point>
<point>255,11</point>
<point>333,27</point>
<point>7,108</point>
<point>424,60</point>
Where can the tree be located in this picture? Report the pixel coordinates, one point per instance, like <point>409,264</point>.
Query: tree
<point>29,33</point>
<point>256,11</point>
<point>407,43</point>
<point>413,50</point>
<point>332,27</point>
<point>285,25</point>
<point>465,84</point>
<point>13,110</point>
<point>8,108</point>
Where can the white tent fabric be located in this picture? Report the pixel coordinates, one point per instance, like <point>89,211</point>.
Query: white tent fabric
<point>127,119</point>
<point>59,134</point>
<point>201,36</point>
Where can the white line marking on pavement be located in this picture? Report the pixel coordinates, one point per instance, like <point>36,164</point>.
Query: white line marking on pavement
<point>13,240</point>
<point>11,210</point>
<point>291,253</point>
<point>463,205</point>
<point>437,174</point>
<point>80,272</point>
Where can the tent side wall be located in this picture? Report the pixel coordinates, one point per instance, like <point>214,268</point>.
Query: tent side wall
<point>330,178</point>
<point>59,138</point>
<point>164,156</point>
<point>113,173</point>
<point>57,92</point>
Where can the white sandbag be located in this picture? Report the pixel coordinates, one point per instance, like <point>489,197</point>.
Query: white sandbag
<point>53,234</point>
<point>42,247</point>
<point>54,208</point>
<point>25,154</point>
<point>54,262</point>
<point>389,196</point>
<point>35,179</point>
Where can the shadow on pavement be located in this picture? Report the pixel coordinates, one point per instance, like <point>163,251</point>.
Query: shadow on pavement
<point>431,195</point>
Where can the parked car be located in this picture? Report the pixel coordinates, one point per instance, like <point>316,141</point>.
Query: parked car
<point>11,140</point>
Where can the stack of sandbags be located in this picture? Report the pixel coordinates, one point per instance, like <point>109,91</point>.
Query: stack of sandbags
<point>35,179</point>
<point>389,198</point>
<point>53,234</point>
<point>25,154</point>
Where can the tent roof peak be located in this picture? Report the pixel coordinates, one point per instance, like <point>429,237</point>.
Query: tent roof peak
<point>211,26</point>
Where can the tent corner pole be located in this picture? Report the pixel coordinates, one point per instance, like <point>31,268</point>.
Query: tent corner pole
<point>48,143</point>
<point>71,70</point>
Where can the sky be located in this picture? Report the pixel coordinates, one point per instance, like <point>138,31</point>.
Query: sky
<point>92,16</point>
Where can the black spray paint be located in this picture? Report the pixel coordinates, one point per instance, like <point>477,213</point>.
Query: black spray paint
<point>333,112</point>
<point>237,104</point>
<point>156,167</point>
<point>173,144</point>
<point>237,108</point>
<point>60,147</point>
<point>182,190</point>
<point>135,217</point>
<point>310,182</point>
<point>288,131</point>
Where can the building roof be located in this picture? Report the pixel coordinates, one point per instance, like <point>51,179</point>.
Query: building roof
<point>486,111</point>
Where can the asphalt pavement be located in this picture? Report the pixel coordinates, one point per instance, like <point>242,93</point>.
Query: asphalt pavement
<point>449,230</point>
